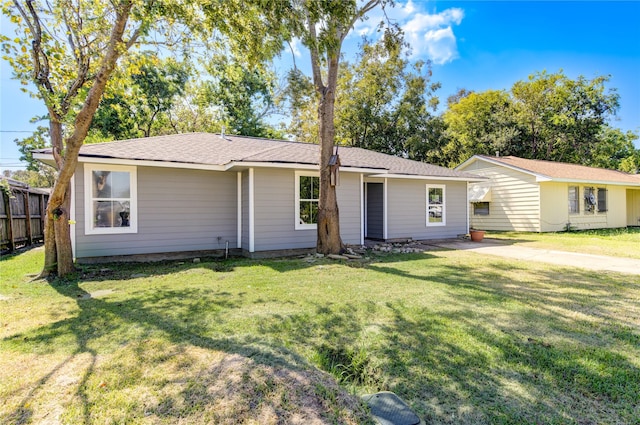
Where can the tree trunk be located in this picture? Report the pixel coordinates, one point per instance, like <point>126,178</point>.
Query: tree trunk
<point>64,253</point>
<point>329,241</point>
<point>58,252</point>
<point>56,201</point>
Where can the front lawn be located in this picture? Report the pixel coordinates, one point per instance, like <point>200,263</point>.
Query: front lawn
<point>463,338</point>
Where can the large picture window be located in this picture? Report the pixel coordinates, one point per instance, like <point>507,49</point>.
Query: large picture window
<point>307,195</point>
<point>436,205</point>
<point>110,199</point>
<point>574,200</point>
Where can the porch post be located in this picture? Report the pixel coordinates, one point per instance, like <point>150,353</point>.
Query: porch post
<point>239,206</point>
<point>361,209</point>
<point>251,212</point>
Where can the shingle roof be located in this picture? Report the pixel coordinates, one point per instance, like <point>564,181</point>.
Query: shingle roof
<point>565,171</point>
<point>212,149</point>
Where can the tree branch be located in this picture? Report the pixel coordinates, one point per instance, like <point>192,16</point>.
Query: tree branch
<point>40,60</point>
<point>315,55</point>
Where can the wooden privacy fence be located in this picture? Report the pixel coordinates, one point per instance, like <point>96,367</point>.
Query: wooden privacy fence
<point>22,216</point>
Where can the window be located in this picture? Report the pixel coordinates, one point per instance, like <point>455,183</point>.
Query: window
<point>110,199</point>
<point>589,200</point>
<point>436,205</point>
<point>307,194</point>
<point>602,199</point>
<point>574,200</point>
<point>480,208</point>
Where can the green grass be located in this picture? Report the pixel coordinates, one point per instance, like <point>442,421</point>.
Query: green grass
<point>463,338</point>
<point>623,242</point>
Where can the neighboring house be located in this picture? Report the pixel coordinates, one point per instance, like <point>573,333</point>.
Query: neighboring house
<point>200,192</point>
<point>545,196</point>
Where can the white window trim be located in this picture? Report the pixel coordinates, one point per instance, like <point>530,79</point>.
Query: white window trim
<point>578,199</point>
<point>88,200</point>
<point>444,204</point>
<point>298,225</point>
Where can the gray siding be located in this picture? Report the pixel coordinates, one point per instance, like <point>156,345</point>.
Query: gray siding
<point>190,210</point>
<point>407,209</point>
<point>178,210</point>
<point>348,194</point>
<point>275,211</point>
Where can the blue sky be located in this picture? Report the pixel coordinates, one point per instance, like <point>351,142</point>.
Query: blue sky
<point>477,45</point>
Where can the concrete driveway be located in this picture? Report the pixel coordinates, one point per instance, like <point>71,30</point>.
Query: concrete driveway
<point>562,258</point>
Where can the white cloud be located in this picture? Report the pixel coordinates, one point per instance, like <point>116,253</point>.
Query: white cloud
<point>441,45</point>
<point>431,36</point>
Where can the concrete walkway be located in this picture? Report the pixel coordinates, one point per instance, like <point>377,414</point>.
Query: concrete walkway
<point>561,258</point>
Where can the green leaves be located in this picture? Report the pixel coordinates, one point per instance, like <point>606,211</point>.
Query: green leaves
<point>548,116</point>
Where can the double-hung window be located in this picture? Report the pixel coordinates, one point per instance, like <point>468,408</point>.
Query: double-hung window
<point>307,195</point>
<point>602,199</point>
<point>110,199</point>
<point>436,205</point>
<point>574,200</point>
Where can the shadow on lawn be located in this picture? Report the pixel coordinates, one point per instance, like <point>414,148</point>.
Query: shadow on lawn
<point>559,351</point>
<point>179,316</point>
<point>555,358</point>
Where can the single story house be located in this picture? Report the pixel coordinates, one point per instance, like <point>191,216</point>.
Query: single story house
<point>196,192</point>
<point>545,196</point>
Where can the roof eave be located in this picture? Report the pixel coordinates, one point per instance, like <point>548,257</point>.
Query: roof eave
<point>539,177</point>
<point>297,166</point>
<point>422,177</point>
<point>595,182</point>
<point>47,158</point>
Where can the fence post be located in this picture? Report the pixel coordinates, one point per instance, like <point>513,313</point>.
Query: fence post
<point>43,213</point>
<point>27,212</point>
<point>7,206</point>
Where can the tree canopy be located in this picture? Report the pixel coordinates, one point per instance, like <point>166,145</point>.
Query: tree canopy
<point>548,116</point>
<point>70,50</point>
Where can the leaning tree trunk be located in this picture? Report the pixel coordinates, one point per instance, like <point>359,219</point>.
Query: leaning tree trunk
<point>58,251</point>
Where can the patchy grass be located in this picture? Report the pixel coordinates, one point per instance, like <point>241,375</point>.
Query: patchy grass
<point>463,338</point>
<point>623,242</point>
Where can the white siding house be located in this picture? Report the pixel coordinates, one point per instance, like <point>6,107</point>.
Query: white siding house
<point>545,196</point>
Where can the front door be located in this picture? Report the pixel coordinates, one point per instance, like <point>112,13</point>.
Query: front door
<point>633,207</point>
<point>375,211</point>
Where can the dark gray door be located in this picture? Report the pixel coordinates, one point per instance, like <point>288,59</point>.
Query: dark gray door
<point>375,211</point>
